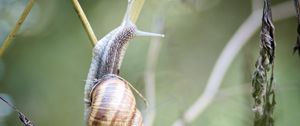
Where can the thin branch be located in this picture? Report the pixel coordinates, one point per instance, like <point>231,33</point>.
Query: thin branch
<point>17,26</point>
<point>238,40</point>
<point>87,27</point>
<point>149,75</point>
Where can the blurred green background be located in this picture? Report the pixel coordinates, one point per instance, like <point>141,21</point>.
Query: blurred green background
<point>43,71</point>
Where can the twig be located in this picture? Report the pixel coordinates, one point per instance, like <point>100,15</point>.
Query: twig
<point>85,22</point>
<point>238,40</point>
<point>17,26</point>
<point>149,76</point>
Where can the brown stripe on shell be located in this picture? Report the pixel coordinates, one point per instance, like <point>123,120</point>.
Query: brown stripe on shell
<point>97,115</point>
<point>102,105</point>
<point>132,118</point>
<point>104,102</point>
<point>116,117</point>
<point>118,111</point>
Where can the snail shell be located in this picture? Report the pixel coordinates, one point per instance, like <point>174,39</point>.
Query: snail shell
<point>113,104</point>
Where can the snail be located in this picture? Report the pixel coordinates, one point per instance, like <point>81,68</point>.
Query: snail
<point>104,86</point>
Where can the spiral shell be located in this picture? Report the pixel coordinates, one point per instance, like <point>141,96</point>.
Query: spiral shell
<point>113,104</point>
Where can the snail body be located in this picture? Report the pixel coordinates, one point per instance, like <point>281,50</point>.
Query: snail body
<point>107,57</point>
<point>113,104</point>
<point>108,53</point>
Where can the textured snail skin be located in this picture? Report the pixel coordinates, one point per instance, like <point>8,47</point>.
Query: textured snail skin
<point>107,57</point>
<point>113,104</point>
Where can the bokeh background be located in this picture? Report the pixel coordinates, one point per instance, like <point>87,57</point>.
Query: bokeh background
<point>43,71</point>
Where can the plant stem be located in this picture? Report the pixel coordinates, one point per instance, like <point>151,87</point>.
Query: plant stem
<point>137,6</point>
<point>87,27</point>
<point>17,26</point>
<point>149,75</point>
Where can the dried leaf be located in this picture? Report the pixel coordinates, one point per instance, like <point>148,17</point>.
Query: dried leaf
<point>25,120</point>
<point>297,45</point>
<point>263,87</point>
<point>22,116</point>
